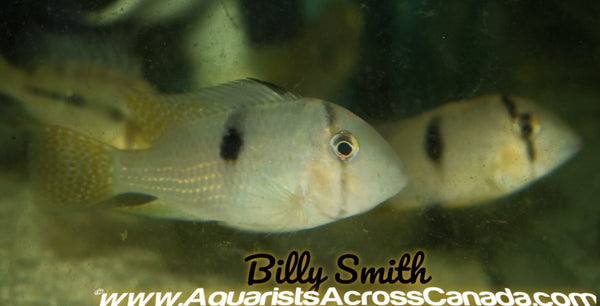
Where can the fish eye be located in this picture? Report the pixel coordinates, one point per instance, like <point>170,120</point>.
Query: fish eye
<point>344,145</point>
<point>529,127</point>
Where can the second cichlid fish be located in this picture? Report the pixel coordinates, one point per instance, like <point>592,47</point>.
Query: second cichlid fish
<point>247,154</point>
<point>475,150</point>
<point>86,96</point>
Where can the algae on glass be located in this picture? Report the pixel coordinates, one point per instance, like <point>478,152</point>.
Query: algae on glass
<point>384,61</point>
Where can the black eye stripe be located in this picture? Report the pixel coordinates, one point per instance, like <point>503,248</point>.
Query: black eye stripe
<point>510,105</point>
<point>527,129</point>
<point>525,123</point>
<point>331,117</point>
<point>530,150</point>
<point>526,126</point>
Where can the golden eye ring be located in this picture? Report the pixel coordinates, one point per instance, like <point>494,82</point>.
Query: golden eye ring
<point>344,145</point>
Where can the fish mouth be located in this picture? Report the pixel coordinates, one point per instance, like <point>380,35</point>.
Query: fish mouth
<point>571,145</point>
<point>563,152</point>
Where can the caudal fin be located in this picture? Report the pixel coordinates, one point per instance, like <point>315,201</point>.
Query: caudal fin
<point>69,171</point>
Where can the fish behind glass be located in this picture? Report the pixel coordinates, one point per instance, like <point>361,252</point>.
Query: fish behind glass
<point>476,150</point>
<point>84,95</point>
<point>247,154</point>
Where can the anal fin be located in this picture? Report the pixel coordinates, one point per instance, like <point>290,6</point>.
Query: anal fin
<point>157,209</point>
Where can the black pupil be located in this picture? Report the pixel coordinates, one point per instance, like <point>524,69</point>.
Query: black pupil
<point>526,130</point>
<point>344,148</point>
<point>526,127</point>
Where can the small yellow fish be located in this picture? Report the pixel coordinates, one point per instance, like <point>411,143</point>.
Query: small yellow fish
<point>247,154</point>
<point>475,150</point>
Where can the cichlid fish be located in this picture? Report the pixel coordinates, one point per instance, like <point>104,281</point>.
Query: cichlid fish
<point>87,96</point>
<point>475,150</point>
<point>247,154</point>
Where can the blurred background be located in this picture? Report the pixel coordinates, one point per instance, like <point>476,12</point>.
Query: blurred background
<point>380,59</point>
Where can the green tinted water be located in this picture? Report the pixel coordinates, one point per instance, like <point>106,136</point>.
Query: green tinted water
<point>379,59</point>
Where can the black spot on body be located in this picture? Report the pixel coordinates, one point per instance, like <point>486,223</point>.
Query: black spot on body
<point>76,100</point>
<point>510,106</point>
<point>72,99</point>
<point>231,145</point>
<point>434,145</point>
<point>276,88</point>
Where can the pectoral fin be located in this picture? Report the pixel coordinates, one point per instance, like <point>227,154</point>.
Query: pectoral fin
<point>269,207</point>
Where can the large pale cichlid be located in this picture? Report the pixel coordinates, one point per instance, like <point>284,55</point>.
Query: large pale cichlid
<point>247,154</point>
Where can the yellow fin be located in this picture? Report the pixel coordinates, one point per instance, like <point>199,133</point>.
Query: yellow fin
<point>68,170</point>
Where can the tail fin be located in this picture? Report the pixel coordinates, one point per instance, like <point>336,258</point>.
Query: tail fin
<point>70,171</point>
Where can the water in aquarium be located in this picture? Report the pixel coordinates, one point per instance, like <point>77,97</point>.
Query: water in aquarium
<point>299,152</point>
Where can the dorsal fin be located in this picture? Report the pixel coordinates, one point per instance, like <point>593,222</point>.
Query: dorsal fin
<point>155,113</point>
